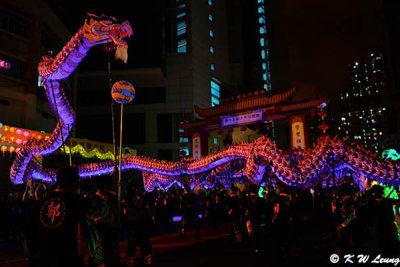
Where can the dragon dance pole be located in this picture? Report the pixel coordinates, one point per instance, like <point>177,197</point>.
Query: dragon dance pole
<point>120,165</point>
<point>122,92</point>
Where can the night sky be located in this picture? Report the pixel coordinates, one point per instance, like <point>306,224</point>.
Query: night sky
<point>144,46</point>
<point>312,42</point>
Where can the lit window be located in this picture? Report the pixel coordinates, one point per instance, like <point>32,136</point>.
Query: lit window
<point>264,76</point>
<point>261,20</point>
<point>215,141</point>
<point>211,49</point>
<point>211,33</point>
<point>262,42</point>
<point>261,10</point>
<point>263,54</point>
<point>264,66</point>
<point>260,1</point>
<point>181,28</point>
<point>214,101</point>
<point>212,67</point>
<point>181,15</point>
<point>181,46</point>
<point>215,93</point>
<point>210,17</point>
<point>40,82</point>
<point>262,30</point>
<point>210,2</point>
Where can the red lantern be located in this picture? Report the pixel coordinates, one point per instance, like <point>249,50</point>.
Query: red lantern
<point>324,127</point>
<point>322,114</point>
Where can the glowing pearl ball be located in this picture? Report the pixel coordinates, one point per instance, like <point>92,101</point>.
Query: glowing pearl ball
<point>123,92</point>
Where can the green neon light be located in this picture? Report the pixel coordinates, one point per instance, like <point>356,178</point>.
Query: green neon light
<point>390,154</point>
<point>388,192</point>
<point>261,192</point>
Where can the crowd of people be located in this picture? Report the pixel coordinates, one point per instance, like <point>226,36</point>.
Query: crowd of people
<point>63,226</point>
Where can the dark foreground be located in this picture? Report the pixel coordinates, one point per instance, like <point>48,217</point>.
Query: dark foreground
<point>217,249</point>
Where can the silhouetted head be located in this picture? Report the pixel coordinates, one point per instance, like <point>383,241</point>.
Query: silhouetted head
<point>377,191</point>
<point>253,188</point>
<point>187,188</point>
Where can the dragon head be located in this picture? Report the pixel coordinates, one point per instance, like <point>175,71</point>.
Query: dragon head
<point>104,29</point>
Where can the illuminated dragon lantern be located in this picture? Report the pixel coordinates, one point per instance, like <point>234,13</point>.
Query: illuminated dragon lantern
<point>98,30</point>
<point>257,162</point>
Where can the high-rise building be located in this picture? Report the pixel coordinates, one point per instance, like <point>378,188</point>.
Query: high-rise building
<point>362,108</point>
<point>211,49</point>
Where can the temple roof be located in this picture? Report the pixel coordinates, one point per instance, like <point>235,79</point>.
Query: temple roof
<point>243,102</point>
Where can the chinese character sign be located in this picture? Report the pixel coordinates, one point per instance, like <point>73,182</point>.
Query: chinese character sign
<point>196,146</point>
<point>247,118</point>
<point>297,132</point>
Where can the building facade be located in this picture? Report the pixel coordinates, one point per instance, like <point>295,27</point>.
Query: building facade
<point>28,30</point>
<point>204,59</point>
<point>363,109</point>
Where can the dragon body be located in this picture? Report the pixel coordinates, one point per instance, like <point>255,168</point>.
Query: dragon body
<point>255,161</point>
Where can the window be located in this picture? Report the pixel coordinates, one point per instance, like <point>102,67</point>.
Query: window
<point>211,49</point>
<point>262,30</point>
<point>183,140</point>
<point>135,125</point>
<point>150,95</point>
<point>212,67</point>
<point>164,128</point>
<point>181,28</point>
<point>40,82</point>
<point>181,46</point>
<point>186,150</point>
<point>14,24</point>
<point>215,93</point>
<point>181,15</point>
<point>264,66</point>
<point>210,17</point>
<point>12,67</point>
<point>210,2</point>
<point>263,54</point>
<point>211,33</point>
<point>262,42</point>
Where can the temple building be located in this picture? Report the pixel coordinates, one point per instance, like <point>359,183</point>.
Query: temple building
<point>246,117</point>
